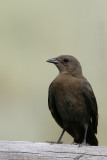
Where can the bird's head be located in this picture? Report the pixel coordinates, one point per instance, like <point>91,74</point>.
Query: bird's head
<point>67,63</point>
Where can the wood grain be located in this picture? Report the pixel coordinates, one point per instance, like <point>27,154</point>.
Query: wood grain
<point>19,150</point>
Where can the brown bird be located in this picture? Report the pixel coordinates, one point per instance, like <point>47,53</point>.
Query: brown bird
<point>72,102</point>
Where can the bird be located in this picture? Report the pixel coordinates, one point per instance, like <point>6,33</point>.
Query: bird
<point>72,102</point>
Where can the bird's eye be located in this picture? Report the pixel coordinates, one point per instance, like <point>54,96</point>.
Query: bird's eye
<point>66,60</point>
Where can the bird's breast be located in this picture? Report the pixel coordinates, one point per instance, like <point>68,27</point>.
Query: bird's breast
<point>68,98</point>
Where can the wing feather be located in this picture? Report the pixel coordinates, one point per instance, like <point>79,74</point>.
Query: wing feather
<point>53,108</point>
<point>91,103</point>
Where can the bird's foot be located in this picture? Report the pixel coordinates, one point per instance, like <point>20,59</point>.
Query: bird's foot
<point>74,143</point>
<point>59,142</point>
<point>83,144</point>
<point>51,142</point>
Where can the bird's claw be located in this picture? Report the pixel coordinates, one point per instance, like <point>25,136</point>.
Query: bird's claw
<point>51,142</point>
<point>83,144</point>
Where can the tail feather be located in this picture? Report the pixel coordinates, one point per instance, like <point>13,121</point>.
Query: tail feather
<point>91,137</point>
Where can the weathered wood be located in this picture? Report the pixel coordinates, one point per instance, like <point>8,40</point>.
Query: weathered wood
<point>17,150</point>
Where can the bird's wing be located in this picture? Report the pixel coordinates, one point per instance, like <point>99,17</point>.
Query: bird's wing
<point>91,103</point>
<point>52,107</point>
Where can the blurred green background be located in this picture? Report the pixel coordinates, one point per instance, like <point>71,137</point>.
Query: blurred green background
<point>32,31</point>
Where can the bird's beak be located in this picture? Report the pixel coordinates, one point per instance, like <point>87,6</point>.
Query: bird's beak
<point>53,60</point>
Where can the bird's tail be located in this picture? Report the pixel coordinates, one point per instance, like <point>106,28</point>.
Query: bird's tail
<point>91,137</point>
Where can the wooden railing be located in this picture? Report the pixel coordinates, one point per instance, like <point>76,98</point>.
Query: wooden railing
<point>19,150</point>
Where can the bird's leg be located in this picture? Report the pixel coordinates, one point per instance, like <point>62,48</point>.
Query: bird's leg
<point>59,140</point>
<point>85,135</point>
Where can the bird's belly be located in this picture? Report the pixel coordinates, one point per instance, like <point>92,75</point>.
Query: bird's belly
<point>70,109</point>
